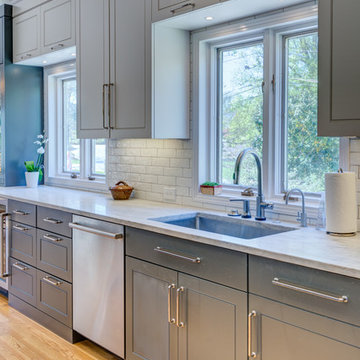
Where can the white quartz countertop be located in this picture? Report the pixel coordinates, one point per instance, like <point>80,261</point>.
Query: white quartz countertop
<point>307,247</point>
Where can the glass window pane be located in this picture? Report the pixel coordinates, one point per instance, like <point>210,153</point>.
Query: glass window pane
<point>240,109</point>
<point>70,143</point>
<point>308,157</point>
<point>98,157</point>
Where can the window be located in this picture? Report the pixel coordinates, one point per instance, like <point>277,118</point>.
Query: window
<point>256,87</point>
<point>70,161</point>
<point>306,157</point>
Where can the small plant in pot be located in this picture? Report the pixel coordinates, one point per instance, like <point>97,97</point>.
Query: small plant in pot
<point>34,170</point>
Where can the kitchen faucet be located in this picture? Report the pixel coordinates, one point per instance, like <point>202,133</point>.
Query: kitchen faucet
<point>261,205</point>
<point>302,217</point>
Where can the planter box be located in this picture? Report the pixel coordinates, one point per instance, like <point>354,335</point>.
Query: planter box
<point>211,190</point>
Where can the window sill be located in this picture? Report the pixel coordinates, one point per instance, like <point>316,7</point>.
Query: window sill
<point>81,184</point>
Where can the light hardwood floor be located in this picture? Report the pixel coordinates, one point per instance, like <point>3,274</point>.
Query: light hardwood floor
<point>24,339</point>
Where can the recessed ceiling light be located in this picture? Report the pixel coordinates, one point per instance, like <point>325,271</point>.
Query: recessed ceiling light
<point>73,54</point>
<point>209,18</point>
<point>44,62</point>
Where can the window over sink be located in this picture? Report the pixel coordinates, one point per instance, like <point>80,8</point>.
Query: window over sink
<point>71,161</point>
<point>255,85</point>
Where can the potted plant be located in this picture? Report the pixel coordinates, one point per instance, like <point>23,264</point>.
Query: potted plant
<point>211,188</point>
<point>34,170</point>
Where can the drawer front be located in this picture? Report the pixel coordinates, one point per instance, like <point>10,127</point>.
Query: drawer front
<point>219,265</point>
<point>22,212</point>
<point>54,297</point>
<point>55,221</point>
<point>54,254</point>
<point>266,276</point>
<point>22,281</point>
<point>23,243</point>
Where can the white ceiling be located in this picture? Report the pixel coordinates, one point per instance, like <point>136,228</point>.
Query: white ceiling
<point>227,11</point>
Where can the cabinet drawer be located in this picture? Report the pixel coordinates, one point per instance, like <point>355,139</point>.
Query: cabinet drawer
<point>313,290</point>
<point>54,254</point>
<point>54,220</point>
<point>23,243</point>
<point>22,212</point>
<point>54,297</point>
<point>223,266</point>
<point>22,281</point>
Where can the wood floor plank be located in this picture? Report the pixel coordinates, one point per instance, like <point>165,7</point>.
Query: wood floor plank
<point>23,339</point>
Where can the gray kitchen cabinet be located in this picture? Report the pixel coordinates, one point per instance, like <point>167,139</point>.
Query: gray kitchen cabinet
<point>170,313</point>
<point>115,81</point>
<point>149,334</point>
<point>163,9</point>
<point>26,35</point>
<point>339,71</point>
<point>116,88</point>
<point>214,320</point>
<point>281,332</point>
<point>57,25</point>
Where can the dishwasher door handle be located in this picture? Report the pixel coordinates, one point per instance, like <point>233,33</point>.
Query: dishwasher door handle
<point>94,231</point>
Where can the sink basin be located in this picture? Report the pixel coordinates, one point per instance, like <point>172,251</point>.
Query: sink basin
<point>237,227</point>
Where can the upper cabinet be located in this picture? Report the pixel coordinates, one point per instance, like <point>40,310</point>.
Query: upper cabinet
<point>57,25</point>
<point>164,9</point>
<point>117,90</point>
<point>26,35</point>
<point>44,30</point>
<point>339,70</point>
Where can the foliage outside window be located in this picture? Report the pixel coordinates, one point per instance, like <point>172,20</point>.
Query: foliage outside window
<point>304,157</point>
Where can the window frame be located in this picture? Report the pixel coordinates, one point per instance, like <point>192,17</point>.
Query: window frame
<point>205,80</point>
<point>55,173</point>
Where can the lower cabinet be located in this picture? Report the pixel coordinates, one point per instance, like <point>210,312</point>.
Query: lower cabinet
<point>282,332</point>
<point>171,315</point>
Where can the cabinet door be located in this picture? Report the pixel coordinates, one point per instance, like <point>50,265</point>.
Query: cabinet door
<point>339,71</point>
<point>281,332</point>
<point>130,56</point>
<point>163,9</point>
<point>57,25</point>
<point>26,35</point>
<point>92,68</point>
<point>149,335</point>
<point>214,321</point>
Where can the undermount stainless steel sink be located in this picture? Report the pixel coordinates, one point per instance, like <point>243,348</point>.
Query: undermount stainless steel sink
<point>237,227</point>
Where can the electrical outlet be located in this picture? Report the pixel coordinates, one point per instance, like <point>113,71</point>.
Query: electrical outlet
<point>169,194</point>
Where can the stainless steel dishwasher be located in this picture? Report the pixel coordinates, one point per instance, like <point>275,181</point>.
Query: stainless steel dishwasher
<point>98,282</point>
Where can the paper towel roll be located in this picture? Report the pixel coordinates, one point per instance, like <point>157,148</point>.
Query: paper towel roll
<point>341,208</point>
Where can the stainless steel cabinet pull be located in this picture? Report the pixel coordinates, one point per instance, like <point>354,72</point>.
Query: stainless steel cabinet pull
<point>58,46</point>
<point>91,230</point>
<point>192,259</point>
<point>103,106</point>
<point>109,105</point>
<point>52,238</point>
<point>179,323</point>
<point>251,354</point>
<point>20,228</point>
<point>170,319</point>
<point>52,281</point>
<point>52,221</point>
<point>182,8</point>
<point>20,212</point>
<point>20,267</point>
<point>4,245</point>
<point>331,297</point>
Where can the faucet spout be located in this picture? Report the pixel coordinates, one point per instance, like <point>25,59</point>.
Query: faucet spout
<point>238,162</point>
<point>302,217</point>
<point>261,206</point>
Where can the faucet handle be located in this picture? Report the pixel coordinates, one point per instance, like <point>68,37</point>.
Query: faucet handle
<point>269,206</point>
<point>246,209</point>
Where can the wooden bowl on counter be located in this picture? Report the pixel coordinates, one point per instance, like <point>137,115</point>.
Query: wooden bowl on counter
<point>121,191</point>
